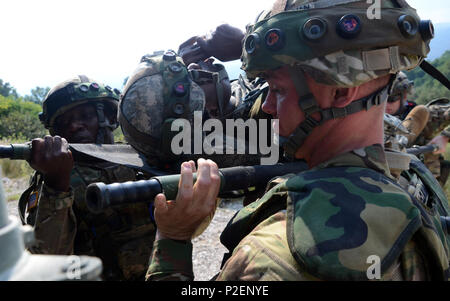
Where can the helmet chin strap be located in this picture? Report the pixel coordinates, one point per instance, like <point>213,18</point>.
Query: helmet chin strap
<point>103,123</point>
<point>309,105</point>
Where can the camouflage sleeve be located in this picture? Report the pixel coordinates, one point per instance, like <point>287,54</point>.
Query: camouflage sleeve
<point>439,121</point>
<point>446,132</point>
<point>55,223</point>
<point>170,261</point>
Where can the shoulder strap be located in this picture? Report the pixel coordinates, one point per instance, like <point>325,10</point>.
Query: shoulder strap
<point>23,201</point>
<point>435,73</point>
<point>249,217</point>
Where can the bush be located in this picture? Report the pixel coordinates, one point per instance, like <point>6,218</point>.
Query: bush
<point>19,120</point>
<point>118,136</point>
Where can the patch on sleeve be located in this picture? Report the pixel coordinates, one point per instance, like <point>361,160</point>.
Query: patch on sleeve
<point>33,200</point>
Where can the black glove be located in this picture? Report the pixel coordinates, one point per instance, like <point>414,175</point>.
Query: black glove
<point>225,44</point>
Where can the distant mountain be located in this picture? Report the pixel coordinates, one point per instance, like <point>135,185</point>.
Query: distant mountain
<point>439,45</point>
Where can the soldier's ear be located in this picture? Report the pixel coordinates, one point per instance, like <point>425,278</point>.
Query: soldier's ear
<point>344,96</point>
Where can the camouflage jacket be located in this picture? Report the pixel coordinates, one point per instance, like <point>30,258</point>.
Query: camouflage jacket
<point>247,96</point>
<point>325,224</point>
<point>438,123</point>
<point>122,237</point>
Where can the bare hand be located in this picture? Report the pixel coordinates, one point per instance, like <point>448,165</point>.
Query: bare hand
<point>51,156</point>
<point>180,219</point>
<point>441,142</point>
<point>225,44</point>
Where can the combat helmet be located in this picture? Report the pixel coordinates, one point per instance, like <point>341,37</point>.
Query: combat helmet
<point>77,91</point>
<point>159,92</point>
<point>214,74</point>
<point>339,43</point>
<point>402,86</point>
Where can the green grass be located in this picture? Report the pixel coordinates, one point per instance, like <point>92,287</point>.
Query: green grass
<point>14,169</point>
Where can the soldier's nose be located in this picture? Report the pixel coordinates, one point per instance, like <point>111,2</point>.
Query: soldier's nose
<point>269,106</point>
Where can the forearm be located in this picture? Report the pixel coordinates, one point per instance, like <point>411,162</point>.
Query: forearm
<point>55,225</point>
<point>446,132</point>
<point>170,260</point>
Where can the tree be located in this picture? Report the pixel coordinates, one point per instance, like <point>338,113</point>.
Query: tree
<point>7,90</point>
<point>37,95</point>
<point>19,119</point>
<point>426,87</point>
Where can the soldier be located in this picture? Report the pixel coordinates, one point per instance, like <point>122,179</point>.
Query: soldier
<point>398,103</point>
<point>82,110</point>
<point>329,69</point>
<point>435,129</point>
<point>159,92</point>
<point>241,98</point>
<point>225,99</point>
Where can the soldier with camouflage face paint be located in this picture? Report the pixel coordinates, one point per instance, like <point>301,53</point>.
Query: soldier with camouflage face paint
<point>83,111</point>
<point>329,69</point>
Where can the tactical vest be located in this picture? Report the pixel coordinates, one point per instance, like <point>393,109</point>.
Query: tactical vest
<point>338,217</point>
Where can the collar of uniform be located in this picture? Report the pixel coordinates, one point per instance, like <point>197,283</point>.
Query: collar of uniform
<point>372,157</point>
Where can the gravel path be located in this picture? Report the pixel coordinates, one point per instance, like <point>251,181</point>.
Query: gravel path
<point>207,252</point>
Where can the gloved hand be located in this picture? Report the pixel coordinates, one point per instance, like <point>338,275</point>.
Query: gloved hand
<point>225,44</point>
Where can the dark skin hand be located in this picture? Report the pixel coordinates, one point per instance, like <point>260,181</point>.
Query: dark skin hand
<point>224,44</point>
<point>51,156</point>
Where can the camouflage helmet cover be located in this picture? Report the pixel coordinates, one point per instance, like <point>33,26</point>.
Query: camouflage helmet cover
<point>159,91</point>
<point>335,42</point>
<point>75,92</point>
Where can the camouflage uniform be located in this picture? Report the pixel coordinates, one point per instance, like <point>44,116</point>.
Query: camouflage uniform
<point>122,237</point>
<point>149,89</point>
<point>249,96</point>
<point>324,224</point>
<point>438,123</point>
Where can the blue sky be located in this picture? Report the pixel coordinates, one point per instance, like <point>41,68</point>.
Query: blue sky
<point>48,41</point>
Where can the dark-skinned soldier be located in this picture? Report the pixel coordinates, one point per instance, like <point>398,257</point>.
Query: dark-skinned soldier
<point>83,111</point>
